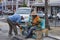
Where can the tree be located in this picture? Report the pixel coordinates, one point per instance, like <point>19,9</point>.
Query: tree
<point>24,4</point>
<point>46,16</point>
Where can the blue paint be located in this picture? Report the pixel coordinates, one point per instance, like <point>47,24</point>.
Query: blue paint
<point>42,24</point>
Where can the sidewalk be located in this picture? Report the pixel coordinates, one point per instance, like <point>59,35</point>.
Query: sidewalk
<point>4,32</point>
<point>55,33</point>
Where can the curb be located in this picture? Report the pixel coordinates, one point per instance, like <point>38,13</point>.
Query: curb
<point>54,37</point>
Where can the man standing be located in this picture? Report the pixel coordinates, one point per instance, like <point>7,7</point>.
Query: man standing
<point>13,21</point>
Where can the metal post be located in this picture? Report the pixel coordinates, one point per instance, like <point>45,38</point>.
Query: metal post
<point>2,8</point>
<point>5,4</point>
<point>46,16</point>
<point>16,4</point>
<point>12,4</point>
<point>28,3</point>
<point>55,17</point>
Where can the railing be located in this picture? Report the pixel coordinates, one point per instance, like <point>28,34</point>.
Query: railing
<point>14,3</point>
<point>20,3</point>
<point>9,3</point>
<point>31,2</point>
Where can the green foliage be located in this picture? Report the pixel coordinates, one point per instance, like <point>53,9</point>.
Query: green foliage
<point>24,5</point>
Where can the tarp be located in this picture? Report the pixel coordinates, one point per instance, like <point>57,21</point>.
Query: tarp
<point>42,23</point>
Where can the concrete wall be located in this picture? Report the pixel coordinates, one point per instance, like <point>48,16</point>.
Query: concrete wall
<point>54,1</point>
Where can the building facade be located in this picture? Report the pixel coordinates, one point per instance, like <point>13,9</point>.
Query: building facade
<point>11,4</point>
<point>0,6</point>
<point>53,5</point>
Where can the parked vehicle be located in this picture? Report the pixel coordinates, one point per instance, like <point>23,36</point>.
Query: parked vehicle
<point>25,12</point>
<point>41,14</point>
<point>57,16</point>
<point>49,16</point>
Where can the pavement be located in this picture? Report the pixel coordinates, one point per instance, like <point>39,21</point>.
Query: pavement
<point>4,27</point>
<point>54,34</point>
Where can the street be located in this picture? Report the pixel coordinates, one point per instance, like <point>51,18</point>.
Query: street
<point>23,10</point>
<point>4,28</point>
<point>51,23</point>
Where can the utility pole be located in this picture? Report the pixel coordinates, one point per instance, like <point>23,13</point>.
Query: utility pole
<point>2,8</point>
<point>24,3</point>
<point>12,5</point>
<point>16,4</point>
<point>46,15</point>
<point>5,4</point>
